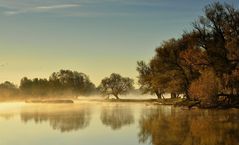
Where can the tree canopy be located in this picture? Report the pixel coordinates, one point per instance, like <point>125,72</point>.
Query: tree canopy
<point>76,82</point>
<point>64,82</point>
<point>115,85</point>
<point>8,89</point>
<point>206,56</point>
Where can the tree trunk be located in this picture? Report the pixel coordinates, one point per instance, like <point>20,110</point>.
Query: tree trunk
<point>186,78</point>
<point>159,95</point>
<point>173,95</point>
<point>116,96</point>
<point>186,95</point>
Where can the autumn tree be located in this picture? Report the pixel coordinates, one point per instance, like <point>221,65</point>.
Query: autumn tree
<point>218,35</point>
<point>116,85</point>
<point>166,72</point>
<point>165,65</point>
<point>206,88</point>
<point>147,80</point>
<point>181,65</point>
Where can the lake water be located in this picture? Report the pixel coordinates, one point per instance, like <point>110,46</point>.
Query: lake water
<point>95,123</point>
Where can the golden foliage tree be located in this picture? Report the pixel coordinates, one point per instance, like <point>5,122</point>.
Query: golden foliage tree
<point>206,88</point>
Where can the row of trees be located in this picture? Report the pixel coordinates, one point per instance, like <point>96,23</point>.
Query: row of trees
<point>67,83</point>
<point>64,82</point>
<point>202,64</point>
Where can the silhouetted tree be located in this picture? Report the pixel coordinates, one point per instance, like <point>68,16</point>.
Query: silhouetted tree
<point>116,85</point>
<point>73,81</point>
<point>64,82</point>
<point>8,89</point>
<point>34,87</point>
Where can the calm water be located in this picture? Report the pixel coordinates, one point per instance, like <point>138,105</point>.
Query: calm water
<point>115,124</point>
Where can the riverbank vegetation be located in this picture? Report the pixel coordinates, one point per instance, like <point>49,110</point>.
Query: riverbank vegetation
<point>202,64</point>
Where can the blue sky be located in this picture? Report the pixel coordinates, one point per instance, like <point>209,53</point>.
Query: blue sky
<point>97,37</point>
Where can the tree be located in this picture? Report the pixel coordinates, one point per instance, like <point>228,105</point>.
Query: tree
<point>181,65</point>
<point>64,82</point>
<point>34,87</point>
<point>75,82</point>
<point>25,86</point>
<point>166,72</point>
<point>8,89</point>
<point>218,36</point>
<point>116,85</point>
<point>147,80</point>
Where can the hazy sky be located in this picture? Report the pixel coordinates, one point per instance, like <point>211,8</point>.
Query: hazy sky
<point>97,37</point>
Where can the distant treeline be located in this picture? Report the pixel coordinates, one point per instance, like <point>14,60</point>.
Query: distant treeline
<point>62,83</point>
<point>67,83</point>
<point>202,64</point>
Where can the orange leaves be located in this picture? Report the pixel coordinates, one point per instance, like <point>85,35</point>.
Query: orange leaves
<point>196,58</point>
<point>206,87</point>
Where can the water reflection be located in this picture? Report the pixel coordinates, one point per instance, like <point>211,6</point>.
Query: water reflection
<point>60,117</point>
<point>116,116</point>
<point>138,123</point>
<point>183,127</point>
<point>7,116</point>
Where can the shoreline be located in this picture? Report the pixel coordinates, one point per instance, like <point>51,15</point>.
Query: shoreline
<point>177,102</point>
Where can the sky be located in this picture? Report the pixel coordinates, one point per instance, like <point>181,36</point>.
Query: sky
<point>96,37</point>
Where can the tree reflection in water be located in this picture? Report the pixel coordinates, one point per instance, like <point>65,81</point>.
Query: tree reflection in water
<point>7,115</point>
<point>116,116</point>
<point>185,127</point>
<point>60,117</point>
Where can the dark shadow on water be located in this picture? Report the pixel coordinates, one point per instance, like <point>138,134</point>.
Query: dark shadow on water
<point>160,126</point>
<point>59,118</point>
<point>116,116</point>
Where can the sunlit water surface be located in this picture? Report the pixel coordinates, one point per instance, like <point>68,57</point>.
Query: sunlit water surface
<point>115,124</point>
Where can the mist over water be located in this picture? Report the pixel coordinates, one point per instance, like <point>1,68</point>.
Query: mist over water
<point>91,122</point>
